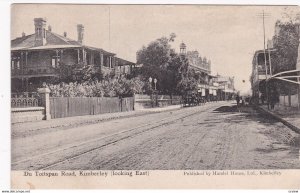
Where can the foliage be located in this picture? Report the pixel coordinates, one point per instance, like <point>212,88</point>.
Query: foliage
<point>286,43</point>
<point>121,87</point>
<point>75,73</point>
<point>170,69</point>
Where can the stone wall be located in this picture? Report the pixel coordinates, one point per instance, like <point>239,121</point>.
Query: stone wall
<point>27,114</point>
<point>147,101</point>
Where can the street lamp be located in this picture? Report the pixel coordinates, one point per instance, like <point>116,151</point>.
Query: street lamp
<point>150,79</point>
<point>150,82</point>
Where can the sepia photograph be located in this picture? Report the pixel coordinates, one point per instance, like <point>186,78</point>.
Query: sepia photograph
<point>126,90</point>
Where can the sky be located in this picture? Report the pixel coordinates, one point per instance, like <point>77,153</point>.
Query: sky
<point>227,35</point>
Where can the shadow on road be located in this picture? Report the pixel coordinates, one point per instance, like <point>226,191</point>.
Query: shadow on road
<point>246,112</point>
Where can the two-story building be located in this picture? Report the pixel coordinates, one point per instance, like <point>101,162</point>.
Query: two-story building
<point>37,56</point>
<point>208,87</point>
<point>260,72</point>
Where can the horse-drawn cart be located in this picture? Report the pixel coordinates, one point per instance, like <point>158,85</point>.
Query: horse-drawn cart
<point>192,98</point>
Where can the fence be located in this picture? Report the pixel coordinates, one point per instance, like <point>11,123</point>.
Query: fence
<point>26,107</point>
<point>148,101</point>
<point>22,100</point>
<point>291,100</point>
<point>78,106</point>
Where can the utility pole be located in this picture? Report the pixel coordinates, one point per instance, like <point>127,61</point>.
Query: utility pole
<point>263,15</point>
<point>270,46</point>
<point>298,59</point>
<point>109,28</point>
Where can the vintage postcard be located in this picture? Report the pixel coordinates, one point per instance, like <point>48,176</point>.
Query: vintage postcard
<point>155,96</point>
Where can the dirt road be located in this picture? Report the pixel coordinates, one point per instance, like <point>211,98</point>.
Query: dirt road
<point>213,136</point>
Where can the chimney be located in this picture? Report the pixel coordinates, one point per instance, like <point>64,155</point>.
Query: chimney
<point>65,34</point>
<point>23,34</point>
<point>49,28</point>
<point>80,33</point>
<point>40,31</point>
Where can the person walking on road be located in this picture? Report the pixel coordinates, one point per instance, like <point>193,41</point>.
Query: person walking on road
<point>273,99</point>
<point>237,98</point>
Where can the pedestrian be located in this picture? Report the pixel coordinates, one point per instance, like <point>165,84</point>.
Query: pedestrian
<point>237,98</point>
<point>273,99</point>
<point>243,101</point>
<point>262,99</point>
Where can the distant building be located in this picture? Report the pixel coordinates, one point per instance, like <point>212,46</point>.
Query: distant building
<point>226,81</point>
<point>212,87</point>
<point>36,57</point>
<point>195,60</point>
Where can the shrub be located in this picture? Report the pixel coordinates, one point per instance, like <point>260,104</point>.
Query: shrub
<point>120,87</point>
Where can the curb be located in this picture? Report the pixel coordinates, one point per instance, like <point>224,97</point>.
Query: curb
<point>158,110</point>
<point>86,122</point>
<point>286,123</point>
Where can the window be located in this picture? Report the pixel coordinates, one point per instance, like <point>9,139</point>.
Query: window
<point>12,64</point>
<point>15,63</point>
<point>44,33</point>
<point>55,61</point>
<point>18,64</point>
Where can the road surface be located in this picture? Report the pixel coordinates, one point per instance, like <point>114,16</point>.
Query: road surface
<point>215,136</point>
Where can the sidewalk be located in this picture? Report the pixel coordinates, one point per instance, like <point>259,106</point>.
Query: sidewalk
<point>290,116</point>
<point>161,109</point>
<point>87,119</point>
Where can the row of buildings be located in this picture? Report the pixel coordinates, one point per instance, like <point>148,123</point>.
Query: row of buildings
<point>212,87</point>
<point>37,57</point>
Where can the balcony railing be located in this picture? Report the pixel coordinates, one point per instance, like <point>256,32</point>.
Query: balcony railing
<point>33,71</point>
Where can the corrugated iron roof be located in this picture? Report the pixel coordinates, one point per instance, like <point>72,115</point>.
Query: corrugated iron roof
<point>53,41</point>
<point>122,62</point>
<point>53,47</point>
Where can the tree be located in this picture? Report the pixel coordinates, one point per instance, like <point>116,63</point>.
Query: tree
<point>156,59</point>
<point>188,80</point>
<point>286,42</point>
<point>161,62</point>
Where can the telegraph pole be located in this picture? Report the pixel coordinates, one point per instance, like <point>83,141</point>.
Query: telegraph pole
<point>263,15</point>
<point>298,60</point>
<point>109,27</point>
<point>264,29</point>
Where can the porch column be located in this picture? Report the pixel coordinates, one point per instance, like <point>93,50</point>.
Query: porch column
<point>61,55</point>
<point>26,84</point>
<point>112,61</point>
<point>56,58</point>
<point>22,84</point>
<point>100,65</point>
<point>78,57</point>
<point>83,56</point>
<point>91,58</point>
<point>109,61</point>
<point>101,59</point>
<point>26,56</point>
<point>85,62</point>
<point>21,62</point>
